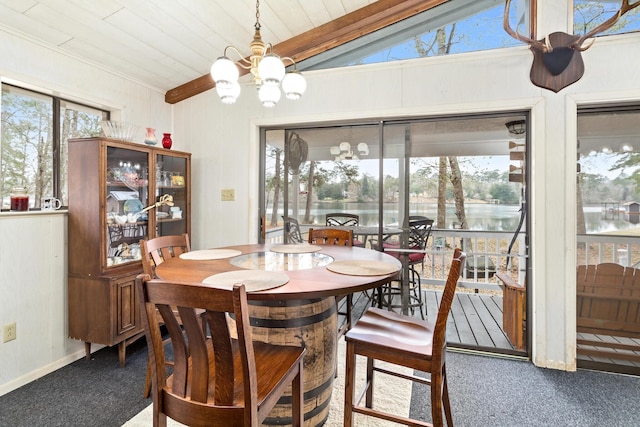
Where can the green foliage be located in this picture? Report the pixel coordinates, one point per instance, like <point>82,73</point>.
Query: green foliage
<point>504,192</point>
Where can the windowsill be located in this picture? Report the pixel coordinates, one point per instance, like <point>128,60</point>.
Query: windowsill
<point>4,213</point>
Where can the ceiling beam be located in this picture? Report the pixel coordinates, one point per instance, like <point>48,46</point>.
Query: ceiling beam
<point>327,36</point>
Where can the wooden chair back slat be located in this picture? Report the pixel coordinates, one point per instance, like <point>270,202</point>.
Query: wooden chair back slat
<point>330,236</point>
<point>155,251</point>
<point>440,331</point>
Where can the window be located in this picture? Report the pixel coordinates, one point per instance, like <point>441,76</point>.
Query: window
<point>588,14</point>
<point>34,132</point>
<point>455,26</point>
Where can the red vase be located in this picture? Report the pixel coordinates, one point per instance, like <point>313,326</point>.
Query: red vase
<point>166,140</point>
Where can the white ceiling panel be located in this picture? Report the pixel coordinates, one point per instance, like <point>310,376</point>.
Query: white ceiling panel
<point>162,43</point>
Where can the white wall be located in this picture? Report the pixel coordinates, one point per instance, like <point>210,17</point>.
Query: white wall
<point>33,248</point>
<point>224,140</point>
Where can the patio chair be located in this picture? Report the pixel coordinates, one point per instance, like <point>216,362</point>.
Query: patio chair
<point>292,230</point>
<point>419,232</point>
<point>225,379</point>
<point>404,341</point>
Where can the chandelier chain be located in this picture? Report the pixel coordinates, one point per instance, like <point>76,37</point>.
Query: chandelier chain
<point>257,15</point>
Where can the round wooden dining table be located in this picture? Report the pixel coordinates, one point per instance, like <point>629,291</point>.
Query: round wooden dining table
<point>300,310</point>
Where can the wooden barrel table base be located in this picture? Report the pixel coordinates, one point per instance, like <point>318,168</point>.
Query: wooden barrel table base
<point>311,324</point>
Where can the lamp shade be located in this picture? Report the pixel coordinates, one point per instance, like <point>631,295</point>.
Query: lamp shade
<point>224,72</point>
<point>294,85</point>
<point>271,70</point>
<point>269,95</point>
<point>228,95</point>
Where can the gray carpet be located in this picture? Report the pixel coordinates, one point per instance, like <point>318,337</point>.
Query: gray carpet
<point>485,391</point>
<point>489,391</point>
<point>84,393</point>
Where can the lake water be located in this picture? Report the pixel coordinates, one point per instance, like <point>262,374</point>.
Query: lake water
<point>480,216</point>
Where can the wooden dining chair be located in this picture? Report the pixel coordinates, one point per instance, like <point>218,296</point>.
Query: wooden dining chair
<point>331,236</point>
<point>405,341</point>
<point>154,252</point>
<point>344,219</point>
<point>225,379</point>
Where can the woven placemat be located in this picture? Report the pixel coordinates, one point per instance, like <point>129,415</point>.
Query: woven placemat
<point>301,248</point>
<point>210,254</point>
<point>253,280</point>
<point>362,267</point>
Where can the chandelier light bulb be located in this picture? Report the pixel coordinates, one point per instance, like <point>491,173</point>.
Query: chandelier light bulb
<point>271,69</point>
<point>229,95</point>
<point>224,72</point>
<point>363,148</point>
<point>269,95</point>
<point>294,85</point>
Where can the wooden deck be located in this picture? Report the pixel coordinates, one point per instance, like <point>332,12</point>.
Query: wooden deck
<point>475,323</point>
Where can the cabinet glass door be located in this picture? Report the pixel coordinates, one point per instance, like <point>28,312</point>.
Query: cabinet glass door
<point>171,177</point>
<point>127,192</point>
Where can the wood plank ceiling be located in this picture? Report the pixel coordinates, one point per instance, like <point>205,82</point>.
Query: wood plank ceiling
<point>170,45</point>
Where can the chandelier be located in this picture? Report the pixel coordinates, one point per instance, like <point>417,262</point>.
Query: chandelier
<point>267,68</point>
<point>345,152</point>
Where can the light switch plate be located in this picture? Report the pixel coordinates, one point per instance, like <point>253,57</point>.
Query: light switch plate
<point>228,195</point>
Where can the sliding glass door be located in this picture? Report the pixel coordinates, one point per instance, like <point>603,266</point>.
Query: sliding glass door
<point>467,174</point>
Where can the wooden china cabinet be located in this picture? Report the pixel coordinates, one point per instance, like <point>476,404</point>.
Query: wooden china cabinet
<point>110,184</point>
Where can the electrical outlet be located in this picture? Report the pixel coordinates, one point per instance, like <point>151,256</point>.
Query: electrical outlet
<point>228,195</point>
<point>9,332</point>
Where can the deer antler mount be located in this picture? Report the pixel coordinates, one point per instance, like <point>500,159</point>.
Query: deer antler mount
<point>557,59</point>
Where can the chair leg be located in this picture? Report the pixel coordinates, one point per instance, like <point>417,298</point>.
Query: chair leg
<point>297,400</point>
<point>349,311</point>
<point>436,398</point>
<point>369,383</point>
<point>445,399</point>
<point>147,381</point>
<point>349,382</point>
<point>415,277</point>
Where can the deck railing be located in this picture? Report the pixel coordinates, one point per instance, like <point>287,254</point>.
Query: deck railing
<point>487,253</point>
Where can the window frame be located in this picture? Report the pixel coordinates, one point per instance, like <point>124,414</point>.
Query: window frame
<point>57,145</point>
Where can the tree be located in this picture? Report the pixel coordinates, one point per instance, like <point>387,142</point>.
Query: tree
<point>310,179</point>
<point>441,220</point>
<point>276,186</point>
<point>458,194</point>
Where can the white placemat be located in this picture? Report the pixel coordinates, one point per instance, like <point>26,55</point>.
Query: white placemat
<point>362,267</point>
<point>300,248</point>
<point>253,280</point>
<point>210,254</point>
